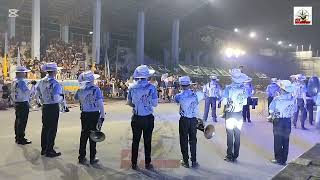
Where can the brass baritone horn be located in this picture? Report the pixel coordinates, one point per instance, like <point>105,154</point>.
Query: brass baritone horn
<point>97,136</point>
<point>208,130</point>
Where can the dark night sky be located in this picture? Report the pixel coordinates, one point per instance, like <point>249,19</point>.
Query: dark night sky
<point>273,18</point>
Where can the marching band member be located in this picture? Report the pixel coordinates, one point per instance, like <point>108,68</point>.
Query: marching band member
<point>246,108</point>
<point>21,97</point>
<point>234,97</point>
<point>188,101</point>
<point>272,91</point>
<point>212,92</point>
<point>282,109</point>
<point>92,114</point>
<point>142,98</point>
<point>309,106</point>
<point>317,102</point>
<point>300,96</point>
<point>50,95</point>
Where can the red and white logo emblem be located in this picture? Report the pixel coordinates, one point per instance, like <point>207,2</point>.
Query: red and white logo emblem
<point>302,15</point>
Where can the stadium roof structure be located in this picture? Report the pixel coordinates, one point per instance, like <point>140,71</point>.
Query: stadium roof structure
<point>117,15</point>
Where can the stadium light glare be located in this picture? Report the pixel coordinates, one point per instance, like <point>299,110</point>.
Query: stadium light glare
<point>233,52</point>
<point>229,52</point>
<point>279,42</point>
<point>290,45</point>
<point>267,39</point>
<point>90,32</point>
<point>252,35</point>
<point>236,30</point>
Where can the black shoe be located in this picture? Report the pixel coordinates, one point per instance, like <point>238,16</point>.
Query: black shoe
<point>295,126</point>
<point>274,161</point>
<point>53,154</point>
<point>94,161</point>
<point>83,161</point>
<point>249,121</point>
<point>134,166</point>
<point>184,164</point>
<point>282,163</point>
<point>195,165</point>
<point>303,128</point>
<point>228,159</point>
<point>149,166</point>
<point>43,152</point>
<point>23,142</point>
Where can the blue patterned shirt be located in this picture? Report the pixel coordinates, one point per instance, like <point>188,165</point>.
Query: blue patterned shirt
<point>273,89</point>
<point>212,89</point>
<point>189,103</point>
<point>20,90</point>
<point>283,106</point>
<point>235,97</point>
<point>142,96</point>
<point>88,98</point>
<point>49,91</point>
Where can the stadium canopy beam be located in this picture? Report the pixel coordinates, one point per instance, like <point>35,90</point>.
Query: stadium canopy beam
<point>96,31</point>
<point>140,37</point>
<point>64,32</point>
<point>175,42</point>
<point>35,29</point>
<point>12,26</point>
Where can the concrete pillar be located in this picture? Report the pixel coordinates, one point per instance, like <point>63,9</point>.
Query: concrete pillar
<point>35,48</point>
<point>64,31</point>
<point>96,31</point>
<point>175,42</point>
<point>6,43</point>
<point>12,27</point>
<point>140,38</point>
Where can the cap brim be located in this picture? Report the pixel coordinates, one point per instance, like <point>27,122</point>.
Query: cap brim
<point>151,72</point>
<point>25,71</point>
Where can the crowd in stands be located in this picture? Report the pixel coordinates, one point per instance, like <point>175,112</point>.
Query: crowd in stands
<point>66,55</point>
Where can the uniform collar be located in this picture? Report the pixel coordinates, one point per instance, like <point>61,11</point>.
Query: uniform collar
<point>19,79</point>
<point>50,77</point>
<point>187,91</point>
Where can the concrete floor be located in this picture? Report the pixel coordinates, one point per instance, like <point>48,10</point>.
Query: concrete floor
<point>25,163</point>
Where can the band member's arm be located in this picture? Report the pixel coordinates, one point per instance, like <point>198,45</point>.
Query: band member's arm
<point>225,96</point>
<point>58,93</point>
<point>304,96</point>
<point>219,93</point>
<point>272,107</point>
<point>177,98</point>
<point>129,98</point>
<point>99,98</point>
<point>252,90</point>
<point>76,96</point>
<point>38,95</point>
<point>204,89</point>
<point>154,96</point>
